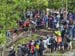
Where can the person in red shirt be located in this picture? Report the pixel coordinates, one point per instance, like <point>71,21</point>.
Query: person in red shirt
<point>26,25</point>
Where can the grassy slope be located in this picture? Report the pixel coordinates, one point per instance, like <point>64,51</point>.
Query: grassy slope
<point>26,40</point>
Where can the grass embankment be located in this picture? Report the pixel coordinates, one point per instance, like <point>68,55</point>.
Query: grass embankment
<point>26,40</point>
<point>35,37</point>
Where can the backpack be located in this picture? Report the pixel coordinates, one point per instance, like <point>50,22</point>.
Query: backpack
<point>41,46</point>
<point>37,46</point>
<point>52,41</point>
<point>68,40</point>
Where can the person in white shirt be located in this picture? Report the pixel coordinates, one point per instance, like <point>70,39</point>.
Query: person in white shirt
<point>45,43</point>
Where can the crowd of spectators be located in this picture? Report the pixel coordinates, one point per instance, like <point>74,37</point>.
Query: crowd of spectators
<point>63,31</point>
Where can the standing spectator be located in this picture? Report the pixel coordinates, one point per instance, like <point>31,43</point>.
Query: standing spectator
<point>61,17</point>
<point>55,23</point>
<point>26,25</point>
<point>59,38</point>
<point>58,20</point>
<point>50,22</point>
<point>32,50</point>
<point>64,31</point>
<point>19,52</point>
<point>31,14</point>
<point>45,43</point>
<point>51,43</point>
<point>20,23</point>
<point>43,23</point>
<point>41,49</point>
<point>12,52</point>
<point>37,47</point>
<point>73,32</point>
<point>48,42</point>
<point>8,34</point>
<point>74,16</point>
<point>28,13</point>
<point>58,17</point>
<point>46,19</point>
<point>70,27</point>
<point>23,50</point>
<point>33,25</point>
<point>38,23</point>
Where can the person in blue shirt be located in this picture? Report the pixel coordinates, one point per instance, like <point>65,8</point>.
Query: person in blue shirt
<point>46,19</point>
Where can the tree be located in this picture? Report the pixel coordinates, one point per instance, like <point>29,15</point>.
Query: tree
<point>13,10</point>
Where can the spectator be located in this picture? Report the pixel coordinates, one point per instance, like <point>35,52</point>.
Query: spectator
<point>46,19</point>
<point>24,49</point>
<point>63,30</point>
<point>8,34</point>
<point>73,32</point>
<point>20,23</point>
<point>51,42</point>
<point>50,22</point>
<point>19,52</point>
<point>41,49</point>
<point>12,52</point>
<point>26,25</point>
